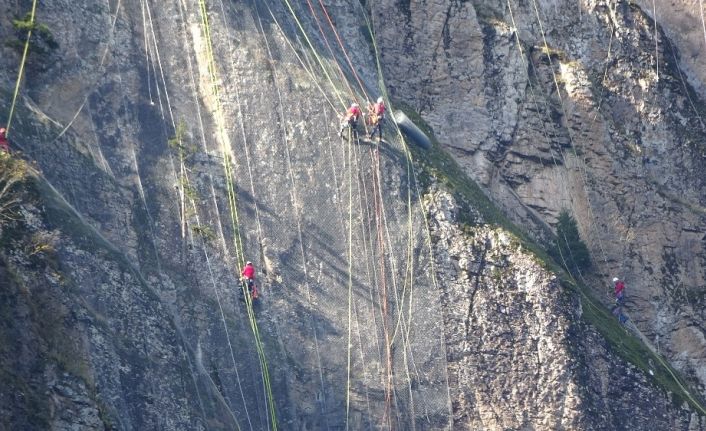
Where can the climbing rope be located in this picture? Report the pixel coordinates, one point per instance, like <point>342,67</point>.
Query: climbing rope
<point>410,164</point>
<point>184,179</point>
<point>345,52</point>
<point>241,123</point>
<point>147,54</point>
<point>564,259</point>
<point>216,205</point>
<point>294,198</point>
<point>406,332</point>
<point>220,122</point>
<point>324,69</point>
<point>104,56</point>
<point>20,73</point>
<point>350,139</point>
<point>585,296</point>
<point>584,171</point>
<point>625,240</point>
<point>544,130</point>
<point>314,79</point>
<point>330,49</point>
<point>654,14</point>
<point>314,53</point>
<point>151,225</point>
<point>380,213</point>
<point>350,274</point>
<point>201,128</point>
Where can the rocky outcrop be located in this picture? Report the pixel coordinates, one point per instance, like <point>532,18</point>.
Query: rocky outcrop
<point>519,355</point>
<point>584,106</point>
<point>86,339</point>
<point>685,29</point>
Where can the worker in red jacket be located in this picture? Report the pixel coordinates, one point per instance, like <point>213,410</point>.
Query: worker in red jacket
<point>377,116</point>
<point>4,144</point>
<point>248,274</point>
<point>350,119</point>
<point>248,271</point>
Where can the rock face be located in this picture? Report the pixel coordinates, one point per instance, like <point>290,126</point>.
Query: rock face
<point>518,355</point>
<point>177,139</point>
<point>85,339</point>
<point>184,158</point>
<point>584,106</point>
<point>685,29</point>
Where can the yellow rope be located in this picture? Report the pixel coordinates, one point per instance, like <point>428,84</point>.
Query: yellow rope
<point>350,208</point>
<point>316,55</point>
<point>22,68</point>
<point>232,201</point>
<point>399,300</point>
<point>338,92</point>
<point>400,319</point>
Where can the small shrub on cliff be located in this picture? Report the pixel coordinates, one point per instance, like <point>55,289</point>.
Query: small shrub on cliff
<point>205,232</point>
<point>42,41</point>
<point>12,174</point>
<point>180,142</point>
<point>569,249</point>
<point>42,243</point>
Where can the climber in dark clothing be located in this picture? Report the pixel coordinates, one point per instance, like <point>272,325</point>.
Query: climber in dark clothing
<point>4,143</point>
<point>248,274</point>
<point>617,311</point>
<point>377,117</point>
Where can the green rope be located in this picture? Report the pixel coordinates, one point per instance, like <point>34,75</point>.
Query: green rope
<point>232,202</point>
<point>22,68</point>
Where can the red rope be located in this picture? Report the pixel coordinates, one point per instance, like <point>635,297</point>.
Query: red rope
<point>345,53</point>
<point>328,45</point>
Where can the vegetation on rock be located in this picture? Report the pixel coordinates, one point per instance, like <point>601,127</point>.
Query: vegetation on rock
<point>13,173</point>
<point>42,42</point>
<point>569,249</point>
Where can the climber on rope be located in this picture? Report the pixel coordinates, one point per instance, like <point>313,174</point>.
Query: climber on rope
<point>617,310</point>
<point>4,143</point>
<point>350,120</point>
<point>248,279</point>
<point>619,287</point>
<point>376,113</point>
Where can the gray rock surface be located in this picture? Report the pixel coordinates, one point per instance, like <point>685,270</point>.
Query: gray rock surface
<point>132,319</point>
<point>584,106</point>
<point>519,356</point>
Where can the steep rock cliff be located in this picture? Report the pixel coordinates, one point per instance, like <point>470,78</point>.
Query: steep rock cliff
<point>178,139</point>
<point>519,355</point>
<point>171,134</point>
<point>587,106</point>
